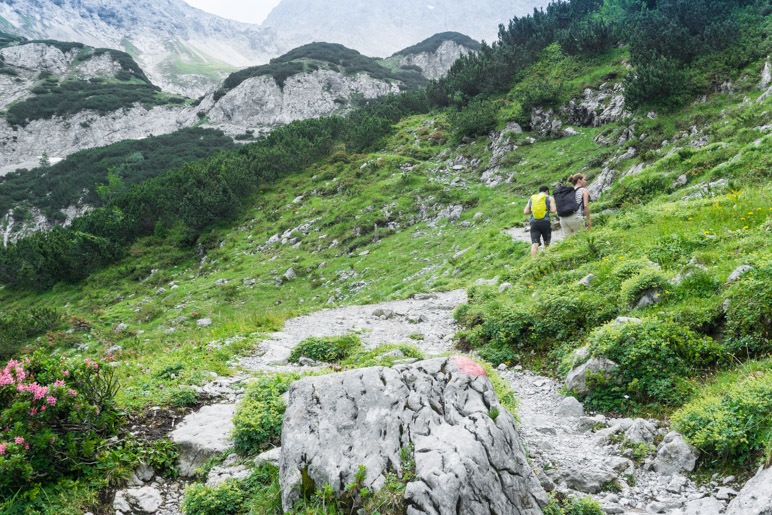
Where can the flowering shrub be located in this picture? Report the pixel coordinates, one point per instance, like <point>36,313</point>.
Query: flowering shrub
<point>54,416</point>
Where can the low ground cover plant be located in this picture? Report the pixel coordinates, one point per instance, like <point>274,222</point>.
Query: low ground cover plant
<point>258,419</point>
<point>329,349</point>
<point>730,422</point>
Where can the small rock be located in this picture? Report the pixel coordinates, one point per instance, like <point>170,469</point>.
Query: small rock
<point>724,493</point>
<point>570,407</point>
<point>626,320</point>
<point>738,272</point>
<point>576,380</point>
<point>272,456</point>
<point>676,484</point>
<point>204,322</point>
<point>703,506</point>
<point>675,455</point>
<point>587,280</point>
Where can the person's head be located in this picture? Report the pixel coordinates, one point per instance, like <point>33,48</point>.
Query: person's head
<point>578,179</point>
<point>544,189</point>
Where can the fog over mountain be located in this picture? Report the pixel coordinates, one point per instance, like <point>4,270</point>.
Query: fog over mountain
<point>185,50</point>
<point>379,28</point>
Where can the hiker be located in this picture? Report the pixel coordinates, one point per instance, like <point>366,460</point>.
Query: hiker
<point>539,207</point>
<point>573,205</point>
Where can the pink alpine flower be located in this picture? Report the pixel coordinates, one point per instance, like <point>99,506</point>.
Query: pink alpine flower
<point>72,392</point>
<point>19,440</point>
<point>3,447</point>
<point>51,400</point>
<point>37,391</point>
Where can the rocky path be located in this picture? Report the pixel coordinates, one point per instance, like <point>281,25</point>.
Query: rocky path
<point>424,320</point>
<point>571,452</point>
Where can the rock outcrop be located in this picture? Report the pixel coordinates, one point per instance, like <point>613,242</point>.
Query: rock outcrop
<point>468,455</point>
<point>756,496</point>
<point>261,102</point>
<point>435,64</point>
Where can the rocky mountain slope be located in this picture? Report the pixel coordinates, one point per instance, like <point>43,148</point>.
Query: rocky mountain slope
<point>187,51</point>
<point>182,49</point>
<point>255,104</point>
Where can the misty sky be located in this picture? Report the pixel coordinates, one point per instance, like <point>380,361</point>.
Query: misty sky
<point>248,11</point>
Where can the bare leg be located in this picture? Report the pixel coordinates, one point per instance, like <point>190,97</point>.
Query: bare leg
<point>534,249</point>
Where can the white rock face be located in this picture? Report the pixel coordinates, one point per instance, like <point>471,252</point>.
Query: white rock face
<point>597,107</point>
<point>467,459</point>
<point>202,435</point>
<point>436,64</point>
<point>260,102</point>
<point>60,137</point>
<point>256,103</point>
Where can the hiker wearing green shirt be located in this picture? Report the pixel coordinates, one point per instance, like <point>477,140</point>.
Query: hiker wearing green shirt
<point>539,207</point>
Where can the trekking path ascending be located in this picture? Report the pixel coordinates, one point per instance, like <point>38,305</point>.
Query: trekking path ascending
<point>562,443</point>
<point>569,452</point>
<point>425,321</point>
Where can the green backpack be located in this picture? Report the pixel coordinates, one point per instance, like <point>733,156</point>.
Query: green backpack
<point>539,205</point>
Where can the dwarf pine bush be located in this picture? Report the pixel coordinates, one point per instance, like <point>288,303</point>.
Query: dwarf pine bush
<point>748,312</point>
<point>655,357</point>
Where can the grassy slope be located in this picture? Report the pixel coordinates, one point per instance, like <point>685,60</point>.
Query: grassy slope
<point>352,199</point>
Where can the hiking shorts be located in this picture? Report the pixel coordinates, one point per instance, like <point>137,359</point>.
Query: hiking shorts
<point>541,229</point>
<point>572,224</point>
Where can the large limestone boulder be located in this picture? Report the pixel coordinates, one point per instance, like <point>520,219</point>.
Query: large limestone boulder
<point>203,435</point>
<point>675,455</point>
<point>756,496</point>
<point>468,455</point>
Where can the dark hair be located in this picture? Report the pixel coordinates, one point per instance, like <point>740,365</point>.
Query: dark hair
<point>576,178</point>
<point>544,187</point>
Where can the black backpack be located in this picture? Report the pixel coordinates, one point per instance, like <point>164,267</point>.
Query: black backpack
<point>565,200</point>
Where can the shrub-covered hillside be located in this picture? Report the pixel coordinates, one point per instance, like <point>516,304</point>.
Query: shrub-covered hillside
<point>52,188</point>
<point>325,56</point>
<point>423,192</point>
<point>68,93</point>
